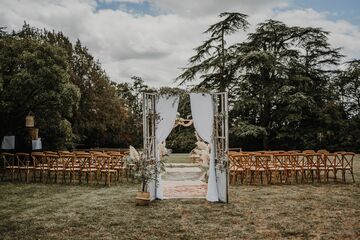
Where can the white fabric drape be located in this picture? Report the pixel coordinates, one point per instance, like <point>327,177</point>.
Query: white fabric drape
<point>202,111</point>
<point>36,144</point>
<point>166,109</point>
<point>8,143</point>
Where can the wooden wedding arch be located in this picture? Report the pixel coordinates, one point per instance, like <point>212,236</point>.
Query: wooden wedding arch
<point>220,137</point>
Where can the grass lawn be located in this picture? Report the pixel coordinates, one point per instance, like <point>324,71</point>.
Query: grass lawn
<point>179,158</point>
<point>55,211</point>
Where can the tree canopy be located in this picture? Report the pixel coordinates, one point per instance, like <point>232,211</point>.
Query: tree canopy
<point>287,89</point>
<point>74,102</point>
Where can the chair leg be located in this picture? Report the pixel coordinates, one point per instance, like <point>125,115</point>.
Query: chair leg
<point>352,174</point>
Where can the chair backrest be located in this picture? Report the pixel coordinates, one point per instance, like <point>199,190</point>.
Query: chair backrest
<point>117,158</point>
<point>67,160</point>
<point>103,160</point>
<point>339,160</point>
<point>282,160</point>
<point>348,159</point>
<point>230,153</point>
<point>39,159</point>
<point>309,161</point>
<point>63,151</point>
<point>323,151</point>
<point>251,160</point>
<point>96,152</point>
<point>293,151</point>
<point>53,160</point>
<point>298,159</point>
<point>308,151</point>
<point>262,161</point>
<point>321,161</point>
<point>330,159</point>
<point>8,159</point>
<point>85,161</point>
<point>240,160</point>
<point>22,159</point>
<point>50,152</point>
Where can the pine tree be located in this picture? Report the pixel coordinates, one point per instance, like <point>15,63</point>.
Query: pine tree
<point>214,59</point>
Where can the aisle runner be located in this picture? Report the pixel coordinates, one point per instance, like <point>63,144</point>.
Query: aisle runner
<point>184,182</point>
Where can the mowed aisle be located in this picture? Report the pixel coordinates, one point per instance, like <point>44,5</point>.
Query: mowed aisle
<point>183,180</point>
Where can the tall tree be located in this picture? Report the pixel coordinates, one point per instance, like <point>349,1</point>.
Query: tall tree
<point>283,84</point>
<point>348,83</point>
<point>131,92</point>
<point>100,118</point>
<point>214,59</point>
<point>33,76</point>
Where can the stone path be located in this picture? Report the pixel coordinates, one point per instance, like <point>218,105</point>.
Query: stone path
<point>183,181</point>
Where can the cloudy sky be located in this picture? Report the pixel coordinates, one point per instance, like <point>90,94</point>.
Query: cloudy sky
<point>153,39</point>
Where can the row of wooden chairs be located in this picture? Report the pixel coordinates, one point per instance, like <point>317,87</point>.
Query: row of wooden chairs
<point>51,166</point>
<point>287,166</point>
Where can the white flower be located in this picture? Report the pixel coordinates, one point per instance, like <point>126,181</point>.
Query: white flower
<point>202,145</point>
<point>134,155</point>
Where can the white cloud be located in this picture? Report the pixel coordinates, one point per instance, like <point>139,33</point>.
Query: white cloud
<point>200,8</point>
<point>155,47</point>
<point>342,33</point>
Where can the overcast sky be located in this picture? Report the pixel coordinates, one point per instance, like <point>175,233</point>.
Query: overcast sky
<point>153,39</point>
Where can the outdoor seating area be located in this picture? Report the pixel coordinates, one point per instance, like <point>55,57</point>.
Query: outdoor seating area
<point>289,167</point>
<point>77,166</point>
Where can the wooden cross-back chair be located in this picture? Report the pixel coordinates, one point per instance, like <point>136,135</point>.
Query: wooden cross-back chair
<point>54,165</point>
<point>310,165</point>
<point>105,166</point>
<point>278,166</point>
<point>321,165</point>
<point>117,159</point>
<point>239,166</point>
<point>330,159</point>
<point>297,162</point>
<point>23,165</point>
<point>67,166</point>
<point>87,165</point>
<point>347,164</point>
<point>39,162</point>
<point>261,167</point>
<point>8,165</point>
<point>338,165</point>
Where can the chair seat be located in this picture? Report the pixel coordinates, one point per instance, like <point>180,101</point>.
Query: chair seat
<point>238,170</point>
<point>11,167</point>
<point>89,170</point>
<point>71,169</point>
<point>39,168</point>
<point>108,170</point>
<point>119,167</point>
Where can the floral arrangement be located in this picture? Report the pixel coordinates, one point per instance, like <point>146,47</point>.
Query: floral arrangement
<point>145,169</point>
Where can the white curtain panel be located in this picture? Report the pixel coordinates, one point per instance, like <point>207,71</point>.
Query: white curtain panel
<point>202,111</point>
<point>166,108</point>
<point>8,143</point>
<point>36,144</point>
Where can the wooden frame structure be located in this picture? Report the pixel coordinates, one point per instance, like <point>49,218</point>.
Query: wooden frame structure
<point>220,138</point>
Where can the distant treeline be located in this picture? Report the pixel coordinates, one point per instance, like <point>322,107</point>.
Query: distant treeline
<point>73,101</point>
<point>285,86</point>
